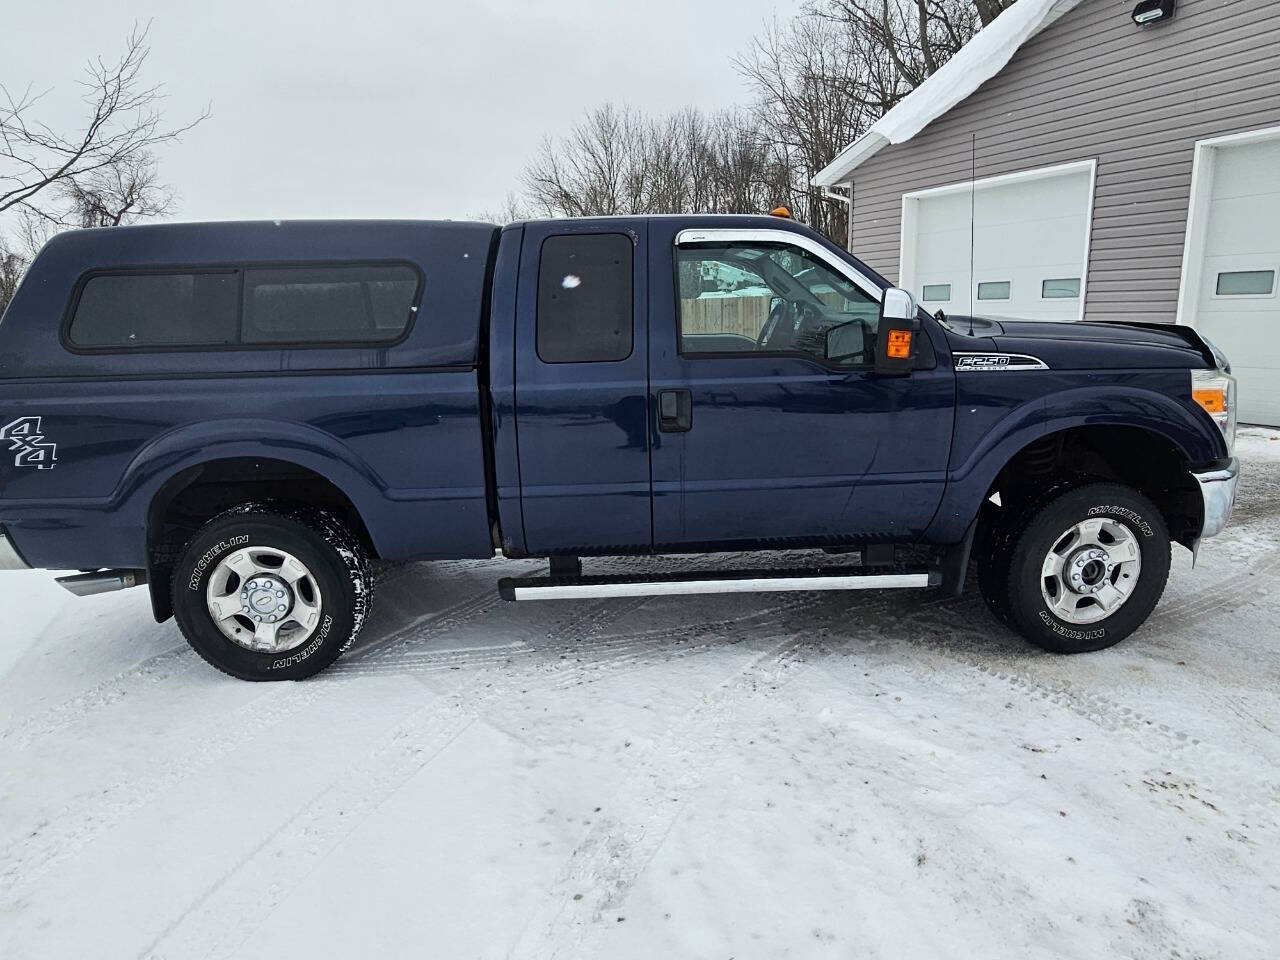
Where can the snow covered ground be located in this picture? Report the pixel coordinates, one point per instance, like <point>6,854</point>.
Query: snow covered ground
<point>791,775</point>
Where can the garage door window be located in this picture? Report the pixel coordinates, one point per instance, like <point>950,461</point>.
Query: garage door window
<point>994,290</point>
<point>1246,283</point>
<point>937,291</point>
<point>1060,289</point>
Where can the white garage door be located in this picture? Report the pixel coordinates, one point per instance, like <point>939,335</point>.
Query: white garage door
<point>1030,231</point>
<point>1239,292</point>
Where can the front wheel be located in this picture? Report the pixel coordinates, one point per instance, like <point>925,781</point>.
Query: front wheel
<point>1079,568</point>
<point>270,592</point>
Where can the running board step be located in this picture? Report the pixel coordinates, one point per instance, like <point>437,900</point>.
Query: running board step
<point>727,581</point>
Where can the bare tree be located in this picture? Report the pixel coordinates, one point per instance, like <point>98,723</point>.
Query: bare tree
<point>590,172</point>
<point>810,82</point>
<point>835,68</point>
<point>513,208</point>
<point>618,162</point>
<point>103,174</point>
<point>988,10</point>
<point>124,127</point>
<point>905,41</point>
<point>129,190</point>
<point>820,80</point>
<point>12,266</point>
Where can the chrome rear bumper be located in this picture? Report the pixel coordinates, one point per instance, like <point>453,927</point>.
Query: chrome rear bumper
<point>10,559</point>
<point>1218,490</point>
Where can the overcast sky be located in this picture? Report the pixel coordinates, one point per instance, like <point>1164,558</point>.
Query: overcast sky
<point>375,108</point>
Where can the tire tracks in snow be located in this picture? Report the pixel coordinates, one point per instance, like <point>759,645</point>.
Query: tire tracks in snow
<point>621,842</point>
<point>233,907</point>
<point>230,910</point>
<point>385,654</point>
<point>1216,770</point>
<point>675,642</point>
<point>180,659</point>
<point>1208,601</point>
<point>154,669</point>
<point>87,816</point>
<point>631,646</point>
<point>404,658</point>
<point>455,615</point>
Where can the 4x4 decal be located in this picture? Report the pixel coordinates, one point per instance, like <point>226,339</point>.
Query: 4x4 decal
<point>28,443</point>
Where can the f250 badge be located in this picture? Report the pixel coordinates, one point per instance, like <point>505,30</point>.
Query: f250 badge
<point>974,362</point>
<point>28,443</point>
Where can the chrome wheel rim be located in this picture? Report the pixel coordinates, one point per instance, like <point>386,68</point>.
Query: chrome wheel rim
<point>264,599</point>
<point>1091,570</point>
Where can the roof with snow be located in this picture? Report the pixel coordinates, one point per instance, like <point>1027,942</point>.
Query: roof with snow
<point>977,62</point>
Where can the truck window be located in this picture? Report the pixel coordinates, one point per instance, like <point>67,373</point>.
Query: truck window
<point>355,304</point>
<point>137,311</point>
<point>299,305</point>
<point>762,298</point>
<point>585,298</point>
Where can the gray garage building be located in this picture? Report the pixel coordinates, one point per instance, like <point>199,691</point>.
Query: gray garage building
<point>1071,163</point>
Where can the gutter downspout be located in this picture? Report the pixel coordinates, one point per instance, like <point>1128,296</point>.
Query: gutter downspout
<point>829,193</point>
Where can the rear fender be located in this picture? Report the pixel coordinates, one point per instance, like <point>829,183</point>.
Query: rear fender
<point>190,446</point>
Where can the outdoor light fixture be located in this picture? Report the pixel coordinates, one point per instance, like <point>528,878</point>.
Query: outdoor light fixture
<point>1152,11</point>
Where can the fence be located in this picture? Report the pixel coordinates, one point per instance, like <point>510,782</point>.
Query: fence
<point>744,316</point>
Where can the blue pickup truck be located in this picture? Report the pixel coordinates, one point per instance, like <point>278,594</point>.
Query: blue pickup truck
<point>242,416</point>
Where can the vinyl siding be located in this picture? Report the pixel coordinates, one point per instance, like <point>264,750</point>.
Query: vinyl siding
<point>1094,85</point>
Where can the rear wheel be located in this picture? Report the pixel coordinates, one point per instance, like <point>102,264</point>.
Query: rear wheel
<point>267,592</point>
<point>1078,568</point>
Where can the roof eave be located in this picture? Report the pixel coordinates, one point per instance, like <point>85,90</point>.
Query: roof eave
<point>984,56</point>
<point>861,150</point>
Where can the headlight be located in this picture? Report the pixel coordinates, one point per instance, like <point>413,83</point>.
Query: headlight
<point>1215,391</point>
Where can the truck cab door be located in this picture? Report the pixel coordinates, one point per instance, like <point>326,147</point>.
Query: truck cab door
<point>772,429</point>
<point>581,388</point>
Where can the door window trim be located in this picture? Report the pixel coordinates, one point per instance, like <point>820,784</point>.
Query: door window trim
<point>693,236</point>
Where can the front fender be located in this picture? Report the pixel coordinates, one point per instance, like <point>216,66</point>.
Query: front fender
<point>991,430</point>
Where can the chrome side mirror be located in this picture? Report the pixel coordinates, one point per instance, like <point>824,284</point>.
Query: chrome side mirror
<point>896,334</point>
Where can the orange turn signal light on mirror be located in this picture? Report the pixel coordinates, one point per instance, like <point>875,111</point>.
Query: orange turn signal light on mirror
<point>1212,400</point>
<point>899,344</point>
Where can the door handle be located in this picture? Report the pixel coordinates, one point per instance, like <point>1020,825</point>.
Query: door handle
<point>675,411</point>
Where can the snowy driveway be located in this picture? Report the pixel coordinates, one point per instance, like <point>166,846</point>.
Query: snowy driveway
<point>798,775</point>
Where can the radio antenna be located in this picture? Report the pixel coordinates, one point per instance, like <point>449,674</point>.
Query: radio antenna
<point>973,181</point>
